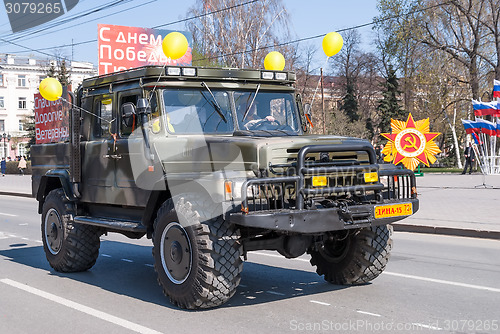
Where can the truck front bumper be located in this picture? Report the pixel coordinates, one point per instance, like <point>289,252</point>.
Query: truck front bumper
<point>321,220</point>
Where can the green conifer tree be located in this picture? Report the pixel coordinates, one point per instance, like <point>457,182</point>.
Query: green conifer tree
<point>388,107</point>
<point>349,102</point>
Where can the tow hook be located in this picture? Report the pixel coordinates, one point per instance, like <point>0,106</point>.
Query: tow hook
<point>345,213</point>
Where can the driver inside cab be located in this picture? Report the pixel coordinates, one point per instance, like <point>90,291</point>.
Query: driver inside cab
<point>257,116</point>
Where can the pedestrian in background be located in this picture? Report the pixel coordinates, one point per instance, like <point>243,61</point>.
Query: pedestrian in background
<point>22,165</point>
<point>469,158</point>
<point>3,166</point>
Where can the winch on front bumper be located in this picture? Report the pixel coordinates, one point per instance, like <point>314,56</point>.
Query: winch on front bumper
<point>328,195</point>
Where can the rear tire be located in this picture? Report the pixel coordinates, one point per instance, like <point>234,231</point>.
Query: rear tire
<point>69,247</point>
<point>199,265</point>
<point>360,258</point>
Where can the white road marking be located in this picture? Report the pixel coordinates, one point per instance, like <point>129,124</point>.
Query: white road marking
<point>369,313</point>
<point>82,308</point>
<point>275,293</point>
<point>427,326</point>
<point>24,224</point>
<point>127,260</point>
<point>320,303</point>
<point>440,281</point>
<point>149,265</point>
<point>105,255</point>
<point>433,280</point>
<point>242,285</point>
<point>7,214</point>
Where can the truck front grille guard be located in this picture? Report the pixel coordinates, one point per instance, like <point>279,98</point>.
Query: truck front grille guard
<point>401,184</point>
<point>289,192</point>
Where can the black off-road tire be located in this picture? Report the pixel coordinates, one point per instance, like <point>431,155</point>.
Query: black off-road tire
<point>69,247</point>
<point>358,259</point>
<point>198,265</point>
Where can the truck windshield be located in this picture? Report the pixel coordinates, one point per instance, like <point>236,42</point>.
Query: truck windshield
<point>267,111</point>
<point>195,111</point>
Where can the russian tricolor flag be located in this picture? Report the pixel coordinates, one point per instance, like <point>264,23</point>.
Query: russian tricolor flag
<point>496,88</point>
<point>469,126</point>
<point>472,129</point>
<point>485,108</point>
<point>481,126</point>
<point>488,127</point>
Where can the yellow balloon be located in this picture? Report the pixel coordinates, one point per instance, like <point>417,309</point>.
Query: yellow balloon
<point>332,43</point>
<point>274,61</point>
<point>174,45</point>
<point>51,89</point>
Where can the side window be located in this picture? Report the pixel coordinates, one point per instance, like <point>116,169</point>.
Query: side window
<point>124,129</point>
<point>154,120</point>
<point>103,109</point>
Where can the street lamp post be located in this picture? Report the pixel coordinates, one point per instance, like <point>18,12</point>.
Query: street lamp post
<point>6,139</point>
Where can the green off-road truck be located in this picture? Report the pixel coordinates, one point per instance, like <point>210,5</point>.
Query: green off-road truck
<point>211,164</point>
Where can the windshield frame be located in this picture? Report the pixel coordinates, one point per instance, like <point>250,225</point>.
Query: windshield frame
<point>231,110</point>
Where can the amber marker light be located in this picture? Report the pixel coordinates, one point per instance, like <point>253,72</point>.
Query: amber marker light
<point>371,177</point>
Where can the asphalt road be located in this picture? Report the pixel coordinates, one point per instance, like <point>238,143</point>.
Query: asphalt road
<point>432,284</point>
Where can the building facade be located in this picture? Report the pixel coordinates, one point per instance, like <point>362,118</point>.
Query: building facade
<point>20,77</point>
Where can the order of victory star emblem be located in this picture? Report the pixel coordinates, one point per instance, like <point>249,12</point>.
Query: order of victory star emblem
<point>410,143</point>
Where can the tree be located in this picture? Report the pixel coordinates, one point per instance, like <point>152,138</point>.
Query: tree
<point>63,74</point>
<point>240,35</point>
<point>51,71</point>
<point>456,28</point>
<point>349,102</point>
<point>29,126</point>
<point>388,106</point>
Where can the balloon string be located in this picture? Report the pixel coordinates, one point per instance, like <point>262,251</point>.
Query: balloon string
<point>326,61</point>
<point>88,112</point>
<point>154,88</point>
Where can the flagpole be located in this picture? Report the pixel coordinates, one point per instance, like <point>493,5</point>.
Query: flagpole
<point>484,152</point>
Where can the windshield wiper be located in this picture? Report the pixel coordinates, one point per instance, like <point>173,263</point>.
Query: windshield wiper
<point>282,131</point>
<point>251,103</point>
<point>215,104</point>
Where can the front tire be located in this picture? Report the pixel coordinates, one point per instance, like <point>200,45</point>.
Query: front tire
<point>69,247</point>
<point>358,258</point>
<point>199,265</point>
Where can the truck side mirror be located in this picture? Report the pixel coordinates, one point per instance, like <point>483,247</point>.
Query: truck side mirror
<point>128,112</point>
<point>307,110</point>
<point>308,116</point>
<point>143,106</point>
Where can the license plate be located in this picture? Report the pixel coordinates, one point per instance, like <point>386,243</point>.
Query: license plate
<point>394,210</point>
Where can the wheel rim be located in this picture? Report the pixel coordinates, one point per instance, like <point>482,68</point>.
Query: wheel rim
<point>175,252</point>
<point>334,252</point>
<point>53,231</point>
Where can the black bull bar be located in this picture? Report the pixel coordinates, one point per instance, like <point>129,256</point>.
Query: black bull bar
<point>301,220</point>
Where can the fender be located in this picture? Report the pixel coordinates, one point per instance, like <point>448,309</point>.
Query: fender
<point>53,179</point>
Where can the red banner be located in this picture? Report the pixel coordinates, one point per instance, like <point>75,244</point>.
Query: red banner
<point>52,119</point>
<point>122,48</point>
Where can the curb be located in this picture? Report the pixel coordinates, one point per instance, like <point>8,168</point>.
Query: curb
<point>9,193</point>
<point>457,232</point>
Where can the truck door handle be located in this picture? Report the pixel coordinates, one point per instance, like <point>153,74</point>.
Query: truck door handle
<point>112,156</point>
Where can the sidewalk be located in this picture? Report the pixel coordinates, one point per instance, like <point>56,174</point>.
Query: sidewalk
<point>451,204</point>
<point>456,204</point>
<point>17,185</point>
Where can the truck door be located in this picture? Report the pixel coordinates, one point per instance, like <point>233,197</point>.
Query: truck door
<point>97,165</point>
<point>129,156</point>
